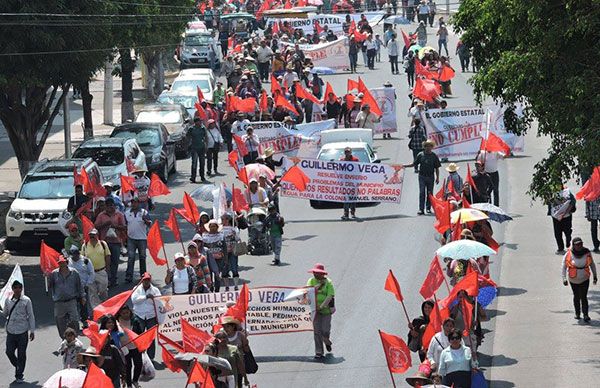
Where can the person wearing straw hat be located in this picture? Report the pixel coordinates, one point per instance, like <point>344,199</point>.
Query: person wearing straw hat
<point>90,356</point>
<point>144,310</point>
<point>453,179</point>
<point>325,308</point>
<point>352,113</point>
<point>429,165</point>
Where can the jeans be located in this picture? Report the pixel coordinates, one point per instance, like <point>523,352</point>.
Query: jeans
<point>232,266</point>
<point>580,301</point>
<point>198,156</point>
<point>365,57</point>
<point>250,157</point>
<point>431,18</point>
<point>464,62</point>
<point>563,226</point>
<point>353,60</point>
<point>410,76</point>
<point>425,188</point>
<point>415,153</point>
<point>133,358</point>
<point>322,331</point>
<point>263,70</point>
<point>394,63</point>
<point>495,187</point>
<point>349,206</point>
<point>115,254</point>
<point>18,343</point>
<point>594,231</point>
<point>443,43</point>
<point>371,58</point>
<point>276,242</point>
<point>146,324</point>
<point>133,246</point>
<point>212,158</point>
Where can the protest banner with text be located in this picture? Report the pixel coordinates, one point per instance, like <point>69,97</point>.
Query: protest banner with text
<point>386,99</point>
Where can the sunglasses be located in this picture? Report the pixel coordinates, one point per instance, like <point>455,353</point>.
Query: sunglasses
<point>454,338</point>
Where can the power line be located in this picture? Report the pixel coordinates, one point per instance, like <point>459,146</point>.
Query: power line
<point>84,50</point>
<point>145,4</point>
<point>83,24</point>
<point>91,15</point>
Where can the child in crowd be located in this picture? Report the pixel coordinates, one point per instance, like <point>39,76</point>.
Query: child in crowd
<point>69,348</point>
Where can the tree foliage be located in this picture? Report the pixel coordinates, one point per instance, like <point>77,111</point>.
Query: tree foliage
<point>544,54</point>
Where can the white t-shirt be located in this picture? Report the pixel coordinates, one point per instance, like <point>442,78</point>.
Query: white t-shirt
<point>239,126</point>
<point>263,54</point>
<point>490,160</point>
<point>136,227</point>
<point>181,282</point>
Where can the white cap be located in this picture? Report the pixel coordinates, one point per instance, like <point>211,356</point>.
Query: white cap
<point>197,237</point>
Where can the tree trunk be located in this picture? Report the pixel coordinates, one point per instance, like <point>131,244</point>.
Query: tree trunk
<point>127,67</point>
<point>151,60</point>
<point>159,85</point>
<point>86,102</point>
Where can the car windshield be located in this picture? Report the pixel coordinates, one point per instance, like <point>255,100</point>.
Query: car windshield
<point>104,156</point>
<point>186,101</point>
<point>338,153</point>
<point>159,116</point>
<point>144,137</point>
<point>47,187</point>
<point>196,40</point>
<point>190,85</point>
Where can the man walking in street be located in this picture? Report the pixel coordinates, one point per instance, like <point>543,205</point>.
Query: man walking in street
<point>109,224</point>
<point>417,135</point>
<point>143,307</point>
<point>65,285</point>
<point>429,165</point>
<point>325,308</point>
<point>137,237</point>
<point>490,163</point>
<point>197,135</point>
<point>263,55</point>
<point>274,224</point>
<point>85,269</point>
<point>20,328</point>
<point>483,184</point>
<point>99,254</point>
<point>349,206</point>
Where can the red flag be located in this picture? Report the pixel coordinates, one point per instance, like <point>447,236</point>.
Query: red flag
<point>328,89</point>
<point>48,258</point>
<point>427,89</point>
<point>155,244</point>
<point>359,36</point>
<point>436,318</point>
<point>441,192</point>
<point>465,203</point>
<point>95,378</point>
<point>77,178</point>
<point>85,180</point>
<point>238,200</point>
<point>163,338</point>
<point>172,224</point>
<point>247,105</point>
<point>494,143</point>
<point>457,230</point>
<point>405,38</point>
<point>241,145</point>
<point>468,283</point>
<point>467,311</point>
<point>304,94</point>
<point>590,191</point>
<point>243,176</point>
<point>238,311</point>
<point>442,210</point>
<point>86,207</point>
<point>201,112</point>
<point>233,158</point>
<point>197,374</point>
<point>297,177</point>
<point>144,340</point>
<point>287,5</point>
<point>263,7</point>
<point>275,29</point>
<point>318,26</point>
<point>263,104</point>
<point>391,285</point>
<point>281,101</point>
<point>490,242</point>
<point>194,339</point>
<point>200,94</point>
<point>446,73</point>
<point>112,305</point>
<point>208,382</point>
<point>368,98</point>
<point>352,28</point>
<point>433,280</point>
<point>190,207</point>
<point>275,85</point>
<point>127,183</point>
<point>423,71</point>
<point>87,225</point>
<point>396,352</point>
<point>170,362</point>
<point>352,84</point>
<point>157,187</point>
<point>97,339</point>
<point>469,179</point>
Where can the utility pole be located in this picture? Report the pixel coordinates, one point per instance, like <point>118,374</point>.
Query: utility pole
<point>108,93</point>
<point>67,123</point>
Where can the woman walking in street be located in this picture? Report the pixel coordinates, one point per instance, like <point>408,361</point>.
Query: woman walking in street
<point>456,362</point>
<point>578,264</point>
<point>393,51</point>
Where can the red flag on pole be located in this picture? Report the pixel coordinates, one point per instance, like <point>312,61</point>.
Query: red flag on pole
<point>263,104</point>
<point>77,178</point>
<point>241,145</point>
<point>396,352</point>
<point>275,85</point>
<point>328,89</point>
<point>233,158</point>
<point>391,285</point>
<point>436,318</point>
<point>446,73</point>
<point>194,339</point>
<point>433,280</point>
<point>172,224</point>
<point>190,207</point>
<point>48,258</point>
<point>169,360</point>
<point>297,177</point>
<point>281,101</point>
<point>469,283</point>
<point>112,305</point>
<point>95,378</point>
<point>467,311</point>
<point>469,179</point>
<point>200,111</point>
<point>304,94</point>
<point>368,98</point>
<point>144,340</point>
<point>197,374</point>
<point>442,210</point>
<point>157,187</point>
<point>405,38</point>
<point>85,180</point>
<point>155,244</point>
<point>457,231</point>
<point>200,94</point>
<point>87,225</point>
<point>127,184</point>
<point>238,200</point>
<point>427,89</point>
<point>317,26</point>
<point>352,28</point>
<point>494,143</point>
<point>86,207</point>
<point>97,339</point>
<point>238,311</point>
<point>352,84</point>
<point>275,29</point>
<point>287,5</point>
<point>590,191</point>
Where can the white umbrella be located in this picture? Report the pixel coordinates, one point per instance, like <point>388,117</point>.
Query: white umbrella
<point>68,378</point>
<point>464,249</point>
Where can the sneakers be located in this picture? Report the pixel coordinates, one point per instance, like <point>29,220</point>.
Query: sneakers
<point>20,381</point>
<point>328,347</point>
<point>586,318</point>
<point>344,218</point>
<point>420,212</point>
<point>428,211</point>
<point>319,357</point>
<point>192,180</point>
<point>578,317</point>
<point>353,216</point>
<point>560,252</point>
<point>596,250</point>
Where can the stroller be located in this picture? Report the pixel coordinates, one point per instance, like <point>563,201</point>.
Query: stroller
<point>259,243</point>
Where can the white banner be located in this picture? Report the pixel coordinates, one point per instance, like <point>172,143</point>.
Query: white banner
<point>333,22</point>
<point>458,132</point>
<point>386,99</point>
<point>340,181</point>
<point>271,310</point>
<point>303,141</point>
<point>7,292</point>
<point>333,55</point>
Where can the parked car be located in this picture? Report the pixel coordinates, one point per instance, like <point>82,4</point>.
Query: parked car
<point>195,49</point>
<point>40,208</point>
<point>153,139</point>
<point>115,156</point>
<point>175,118</point>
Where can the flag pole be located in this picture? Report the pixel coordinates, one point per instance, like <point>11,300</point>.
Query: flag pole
<point>387,361</point>
<point>405,312</point>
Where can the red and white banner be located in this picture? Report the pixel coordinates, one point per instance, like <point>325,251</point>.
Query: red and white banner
<point>340,181</point>
<point>386,100</point>
<point>333,55</point>
<point>457,132</point>
<point>271,310</point>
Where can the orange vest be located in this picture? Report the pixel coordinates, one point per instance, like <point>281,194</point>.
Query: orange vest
<point>573,268</point>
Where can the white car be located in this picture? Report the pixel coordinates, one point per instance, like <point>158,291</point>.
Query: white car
<point>40,209</point>
<point>189,80</point>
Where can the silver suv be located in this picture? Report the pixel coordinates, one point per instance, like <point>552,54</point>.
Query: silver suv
<point>195,50</point>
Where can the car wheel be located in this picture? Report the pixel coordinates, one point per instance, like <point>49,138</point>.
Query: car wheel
<point>164,175</point>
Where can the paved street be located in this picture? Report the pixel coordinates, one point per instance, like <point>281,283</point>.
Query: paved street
<point>532,339</point>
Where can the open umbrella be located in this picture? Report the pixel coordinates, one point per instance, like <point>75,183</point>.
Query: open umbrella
<point>255,170</point>
<point>396,19</point>
<point>424,50</point>
<point>69,378</point>
<point>467,215</point>
<point>205,360</point>
<point>205,193</point>
<point>464,249</point>
<point>493,212</point>
<point>415,48</point>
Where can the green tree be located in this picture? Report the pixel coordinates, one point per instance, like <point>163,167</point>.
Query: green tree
<point>41,56</point>
<point>544,54</point>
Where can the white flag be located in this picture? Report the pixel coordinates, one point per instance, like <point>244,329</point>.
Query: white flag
<point>7,292</point>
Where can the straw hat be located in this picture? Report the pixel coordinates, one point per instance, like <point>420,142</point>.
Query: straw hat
<point>268,152</point>
<point>428,142</point>
<point>452,167</point>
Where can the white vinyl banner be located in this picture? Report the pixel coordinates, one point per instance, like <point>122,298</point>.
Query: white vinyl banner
<point>386,99</point>
<point>303,141</point>
<point>271,310</point>
<point>333,55</point>
<point>458,132</point>
<point>340,181</point>
<point>7,292</point>
<point>333,23</point>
